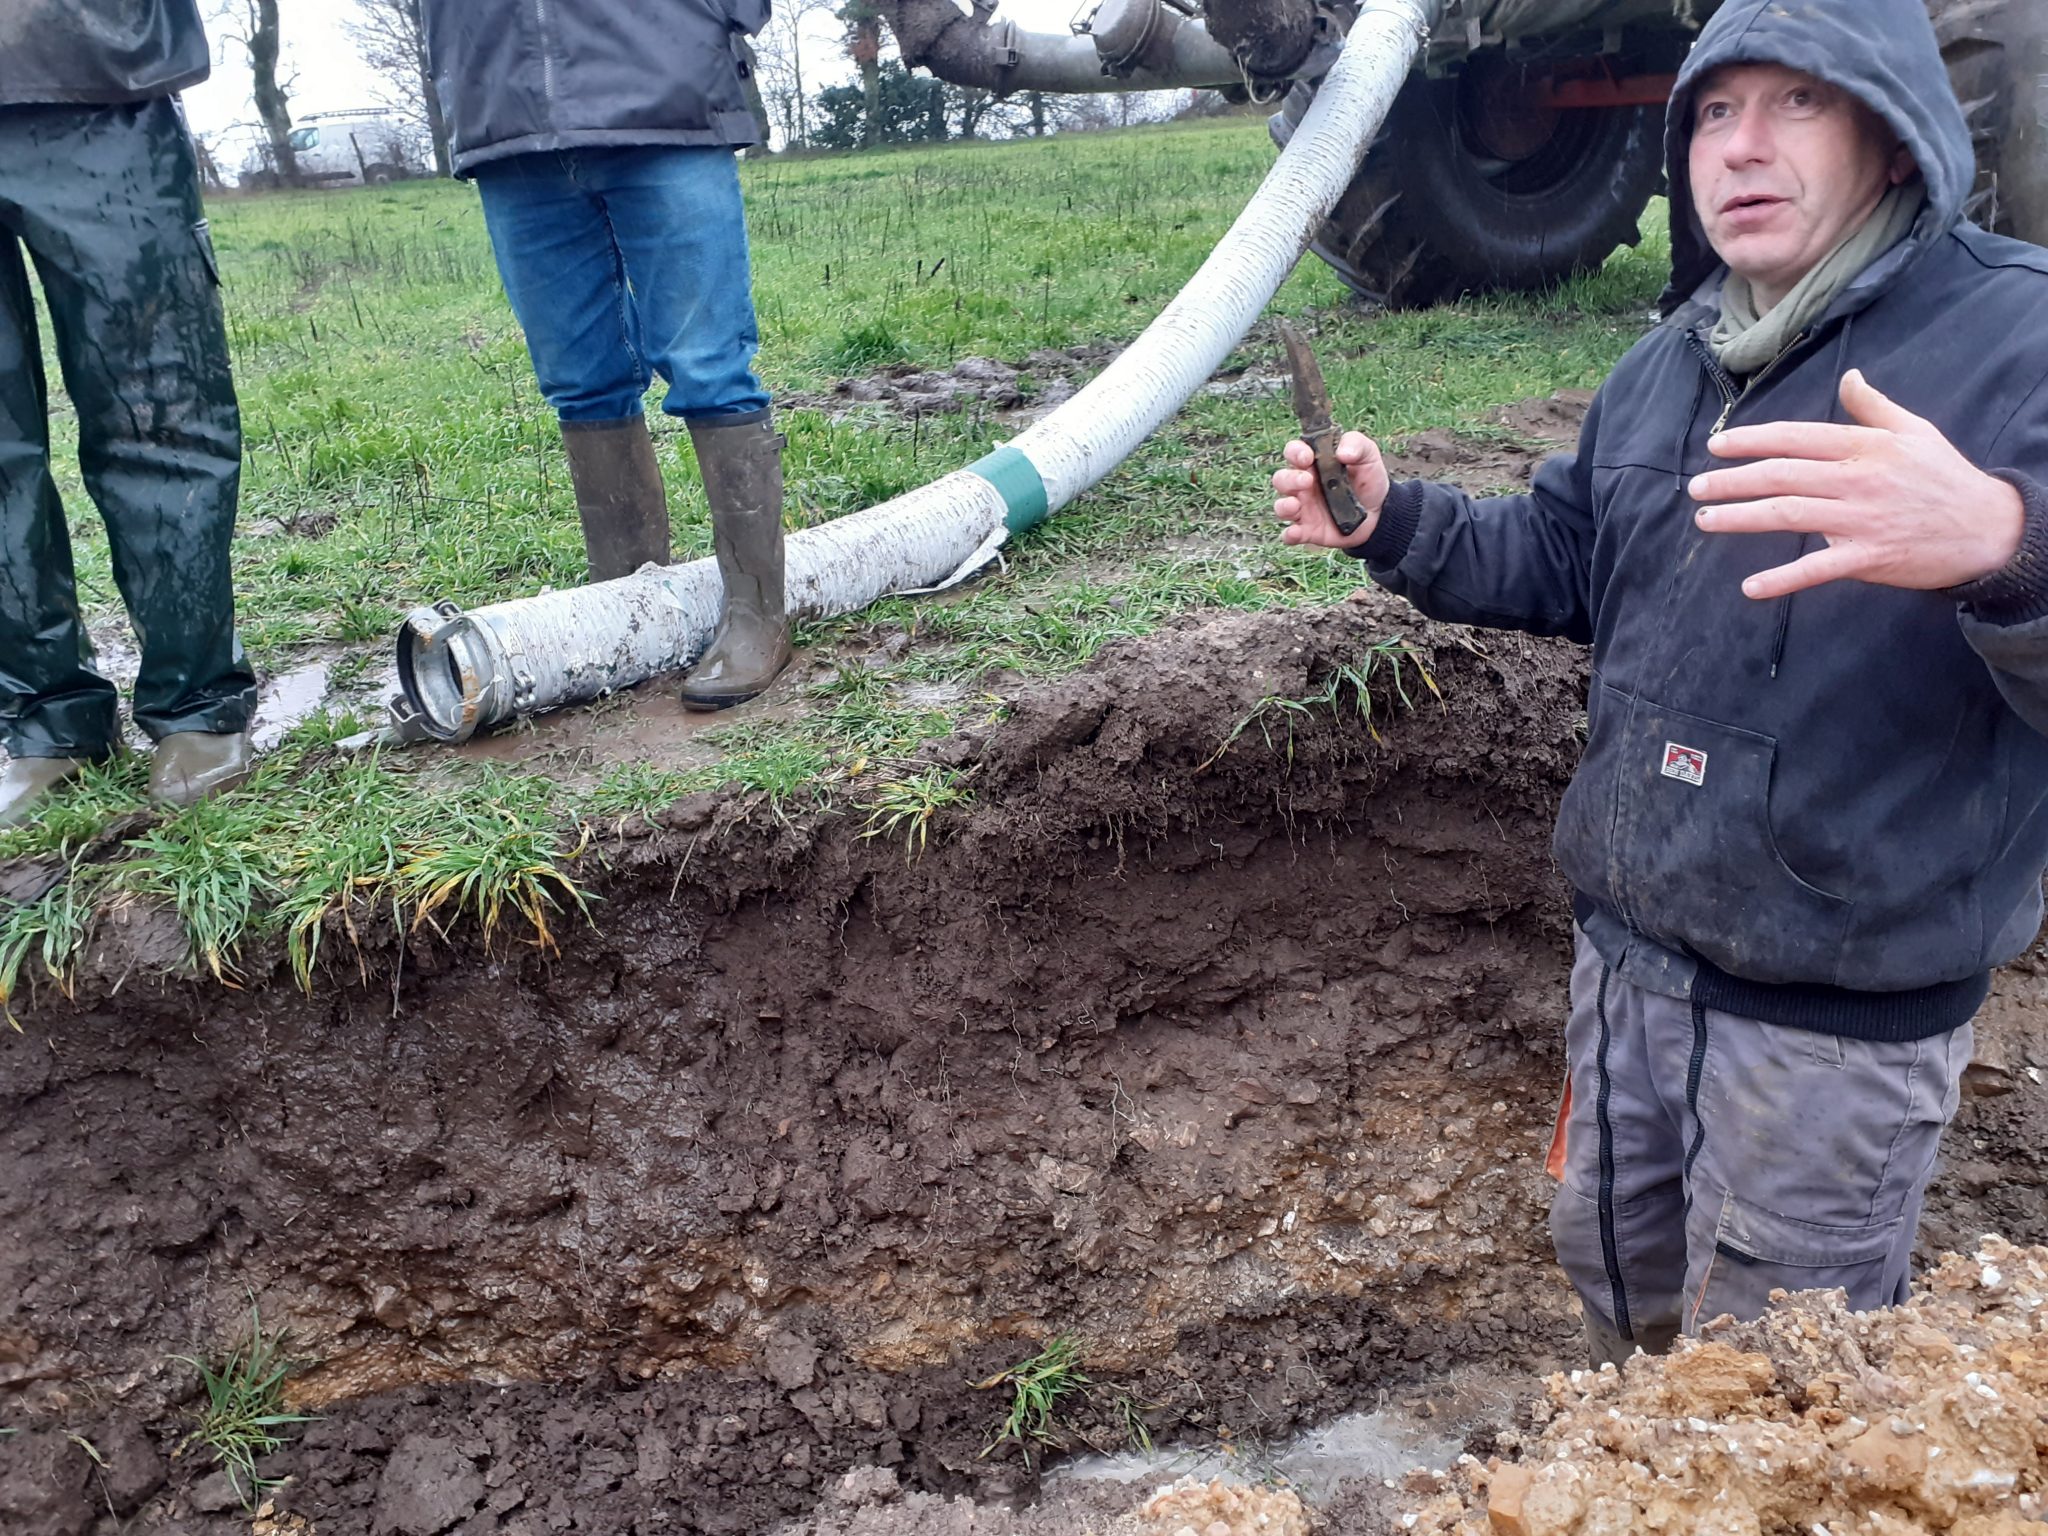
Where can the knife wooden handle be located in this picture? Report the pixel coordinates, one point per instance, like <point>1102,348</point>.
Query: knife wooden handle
<point>1335,480</point>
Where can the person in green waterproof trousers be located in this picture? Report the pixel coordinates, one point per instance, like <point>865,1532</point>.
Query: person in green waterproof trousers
<point>99,189</point>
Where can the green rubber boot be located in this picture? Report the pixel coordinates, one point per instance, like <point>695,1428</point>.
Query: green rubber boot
<point>619,496</point>
<point>28,779</point>
<point>190,765</point>
<point>742,467</point>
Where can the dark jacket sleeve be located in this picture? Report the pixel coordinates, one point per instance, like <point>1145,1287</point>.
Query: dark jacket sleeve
<point>2005,615</point>
<point>99,52</point>
<point>1504,562</point>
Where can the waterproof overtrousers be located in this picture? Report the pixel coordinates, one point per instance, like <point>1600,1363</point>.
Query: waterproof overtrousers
<point>105,202</point>
<point>742,467</point>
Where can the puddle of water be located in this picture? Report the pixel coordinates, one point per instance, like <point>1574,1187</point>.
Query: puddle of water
<point>285,700</point>
<point>931,695</point>
<point>1381,1445</point>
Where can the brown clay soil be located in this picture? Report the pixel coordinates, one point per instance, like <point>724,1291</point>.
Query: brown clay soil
<point>1231,1052</point>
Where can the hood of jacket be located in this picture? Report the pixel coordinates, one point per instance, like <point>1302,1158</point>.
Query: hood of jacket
<point>1884,53</point>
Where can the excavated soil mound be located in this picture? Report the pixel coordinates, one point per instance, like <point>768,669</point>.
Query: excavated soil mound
<point>1926,1418</point>
<point>1221,1032</point>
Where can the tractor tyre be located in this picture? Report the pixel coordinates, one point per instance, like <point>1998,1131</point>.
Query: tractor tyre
<point>1469,186</point>
<point>1997,55</point>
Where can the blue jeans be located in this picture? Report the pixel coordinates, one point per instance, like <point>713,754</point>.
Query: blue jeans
<point>623,263</point>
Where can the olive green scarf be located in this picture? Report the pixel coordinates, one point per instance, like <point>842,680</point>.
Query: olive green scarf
<point>1745,341</point>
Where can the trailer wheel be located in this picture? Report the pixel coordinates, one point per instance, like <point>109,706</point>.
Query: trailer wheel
<point>1997,56</point>
<point>1473,184</point>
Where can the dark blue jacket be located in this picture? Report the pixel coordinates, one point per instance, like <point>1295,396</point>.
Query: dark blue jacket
<point>98,52</point>
<point>1786,806</point>
<point>517,76</point>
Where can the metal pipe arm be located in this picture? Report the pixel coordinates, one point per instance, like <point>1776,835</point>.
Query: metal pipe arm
<point>977,52</point>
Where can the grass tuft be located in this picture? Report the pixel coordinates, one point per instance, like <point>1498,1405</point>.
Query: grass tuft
<point>50,931</point>
<point>492,865</point>
<point>1360,681</point>
<point>907,805</point>
<point>244,1408</point>
<point>1036,1386</point>
<point>865,346</point>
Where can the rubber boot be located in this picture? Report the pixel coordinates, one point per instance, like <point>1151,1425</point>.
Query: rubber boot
<point>28,779</point>
<point>742,468</point>
<point>1606,1346</point>
<point>619,496</point>
<point>190,765</point>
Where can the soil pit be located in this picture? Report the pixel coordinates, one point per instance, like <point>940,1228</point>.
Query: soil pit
<point>1220,1033</point>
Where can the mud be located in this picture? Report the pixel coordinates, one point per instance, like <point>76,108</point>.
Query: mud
<point>1230,1051</point>
<point>1515,439</point>
<point>1044,379</point>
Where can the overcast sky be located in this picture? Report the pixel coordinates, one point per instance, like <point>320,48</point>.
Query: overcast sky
<point>327,75</point>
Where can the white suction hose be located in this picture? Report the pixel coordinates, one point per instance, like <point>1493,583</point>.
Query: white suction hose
<point>460,671</point>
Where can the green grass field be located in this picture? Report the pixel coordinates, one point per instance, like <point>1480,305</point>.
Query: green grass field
<point>398,452</point>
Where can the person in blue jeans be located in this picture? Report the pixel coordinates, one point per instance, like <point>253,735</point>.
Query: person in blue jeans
<point>602,138</point>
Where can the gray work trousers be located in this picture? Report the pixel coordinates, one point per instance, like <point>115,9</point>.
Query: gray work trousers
<point>1705,1160</point>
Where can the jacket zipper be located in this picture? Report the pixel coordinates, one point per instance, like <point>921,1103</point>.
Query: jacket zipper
<point>547,58</point>
<point>1731,397</point>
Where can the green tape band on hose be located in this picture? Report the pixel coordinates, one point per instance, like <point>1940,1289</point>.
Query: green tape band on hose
<point>1016,480</point>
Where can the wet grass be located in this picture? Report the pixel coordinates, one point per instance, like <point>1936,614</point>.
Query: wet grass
<point>398,452</point>
<point>243,1417</point>
<point>1036,1387</point>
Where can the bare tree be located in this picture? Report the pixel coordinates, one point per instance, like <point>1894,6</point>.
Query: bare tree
<point>863,20</point>
<point>780,50</point>
<point>209,167</point>
<point>971,104</point>
<point>392,38</point>
<point>259,37</point>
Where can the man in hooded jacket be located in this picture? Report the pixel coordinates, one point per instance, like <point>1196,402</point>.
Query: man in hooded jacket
<point>99,188</point>
<point>1805,533</point>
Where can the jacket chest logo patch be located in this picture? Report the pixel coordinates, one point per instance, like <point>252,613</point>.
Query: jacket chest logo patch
<point>1688,765</point>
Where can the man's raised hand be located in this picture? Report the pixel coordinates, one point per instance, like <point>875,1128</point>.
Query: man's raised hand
<point>1897,503</point>
<point>1300,503</point>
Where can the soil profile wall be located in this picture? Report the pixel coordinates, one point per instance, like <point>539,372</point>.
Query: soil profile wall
<point>1235,1057</point>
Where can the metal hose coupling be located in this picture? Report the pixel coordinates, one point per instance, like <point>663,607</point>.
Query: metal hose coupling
<point>452,675</point>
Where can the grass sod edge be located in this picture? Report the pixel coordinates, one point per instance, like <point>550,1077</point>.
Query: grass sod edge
<point>306,850</point>
<point>376,289</point>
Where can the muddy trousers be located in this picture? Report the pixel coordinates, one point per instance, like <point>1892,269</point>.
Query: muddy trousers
<point>104,201</point>
<point>1707,1159</point>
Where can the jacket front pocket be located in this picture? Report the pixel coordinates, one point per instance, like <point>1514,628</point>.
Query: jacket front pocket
<point>1696,863</point>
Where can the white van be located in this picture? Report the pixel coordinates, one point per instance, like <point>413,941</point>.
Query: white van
<point>366,145</point>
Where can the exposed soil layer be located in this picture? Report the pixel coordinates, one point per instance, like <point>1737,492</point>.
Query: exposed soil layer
<point>1220,1033</point>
